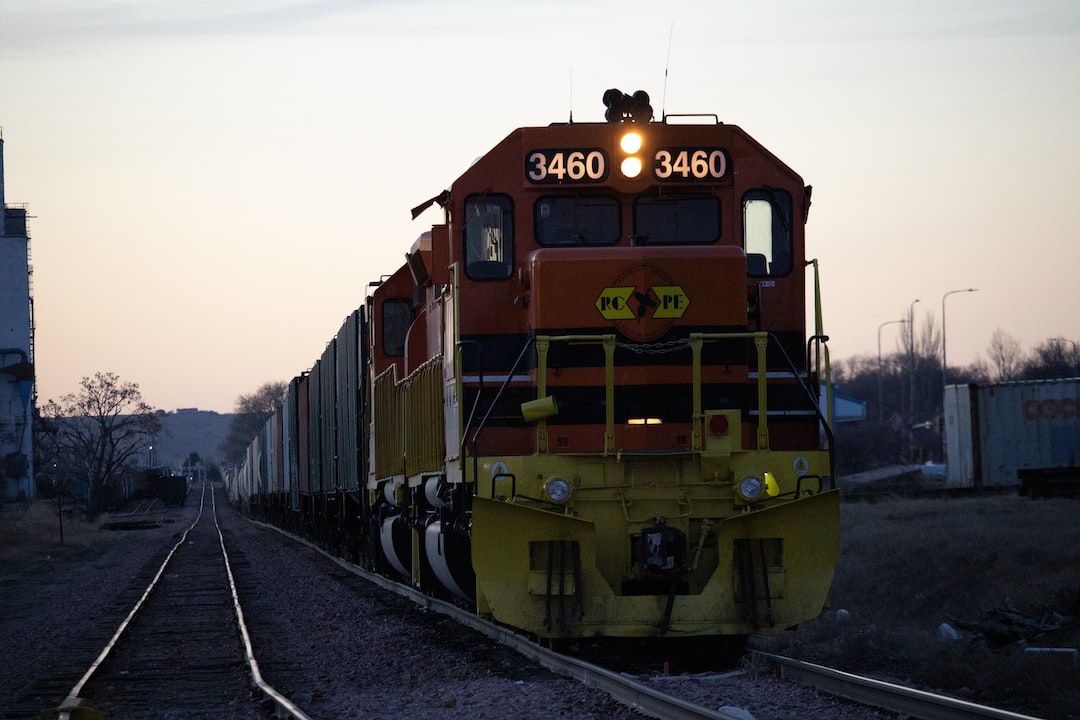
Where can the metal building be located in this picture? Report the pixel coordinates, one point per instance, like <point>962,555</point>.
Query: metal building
<point>16,351</point>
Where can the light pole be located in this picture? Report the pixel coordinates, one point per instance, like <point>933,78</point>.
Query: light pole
<point>944,365</point>
<point>911,353</point>
<point>890,322</point>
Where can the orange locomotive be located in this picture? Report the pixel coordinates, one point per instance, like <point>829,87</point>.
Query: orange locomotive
<point>591,403</point>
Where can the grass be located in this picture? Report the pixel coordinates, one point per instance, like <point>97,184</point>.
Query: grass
<point>33,529</point>
<point>909,565</point>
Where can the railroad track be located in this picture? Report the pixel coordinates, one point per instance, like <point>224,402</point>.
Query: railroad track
<point>652,700</point>
<point>904,700</point>
<point>183,648</point>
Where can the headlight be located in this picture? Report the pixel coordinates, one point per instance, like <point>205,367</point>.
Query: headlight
<point>631,167</point>
<point>557,490</point>
<point>751,488</point>
<point>630,143</point>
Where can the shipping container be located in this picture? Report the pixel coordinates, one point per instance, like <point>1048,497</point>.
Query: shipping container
<point>1017,434</point>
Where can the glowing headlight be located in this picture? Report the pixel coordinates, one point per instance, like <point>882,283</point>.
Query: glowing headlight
<point>751,488</point>
<point>630,143</point>
<point>557,489</point>
<point>631,167</point>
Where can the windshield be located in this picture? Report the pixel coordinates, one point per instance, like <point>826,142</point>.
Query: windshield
<point>676,220</point>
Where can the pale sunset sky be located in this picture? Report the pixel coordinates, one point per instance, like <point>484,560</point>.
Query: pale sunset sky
<point>212,184</point>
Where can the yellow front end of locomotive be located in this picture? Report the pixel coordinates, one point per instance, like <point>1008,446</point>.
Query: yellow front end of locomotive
<point>643,546</point>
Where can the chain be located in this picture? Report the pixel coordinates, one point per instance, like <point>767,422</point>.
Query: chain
<point>661,348</point>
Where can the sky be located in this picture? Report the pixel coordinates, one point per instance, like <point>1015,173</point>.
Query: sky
<point>212,184</point>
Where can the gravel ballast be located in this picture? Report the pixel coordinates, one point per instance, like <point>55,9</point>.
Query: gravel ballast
<point>336,645</point>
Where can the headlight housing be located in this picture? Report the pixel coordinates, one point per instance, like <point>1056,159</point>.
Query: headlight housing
<point>557,490</point>
<point>751,488</point>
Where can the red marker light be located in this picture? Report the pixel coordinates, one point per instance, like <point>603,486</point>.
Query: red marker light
<point>718,425</point>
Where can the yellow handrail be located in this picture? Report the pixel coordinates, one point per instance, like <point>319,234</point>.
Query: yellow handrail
<point>822,365</point>
<point>761,342</point>
<point>696,342</point>
<point>543,344</point>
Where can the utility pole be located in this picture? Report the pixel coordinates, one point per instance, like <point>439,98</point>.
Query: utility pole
<point>911,354</point>
<point>879,397</point>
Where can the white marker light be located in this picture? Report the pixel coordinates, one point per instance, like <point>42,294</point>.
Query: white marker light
<point>750,488</point>
<point>630,143</point>
<point>557,489</point>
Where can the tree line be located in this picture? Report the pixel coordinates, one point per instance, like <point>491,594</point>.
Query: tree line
<point>904,392</point>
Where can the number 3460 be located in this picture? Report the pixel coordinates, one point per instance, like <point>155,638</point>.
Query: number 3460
<point>690,163</point>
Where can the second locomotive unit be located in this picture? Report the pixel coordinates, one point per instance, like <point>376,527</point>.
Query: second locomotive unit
<point>588,402</point>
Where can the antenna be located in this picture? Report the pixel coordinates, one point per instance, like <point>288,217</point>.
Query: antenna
<point>571,96</point>
<point>667,64</point>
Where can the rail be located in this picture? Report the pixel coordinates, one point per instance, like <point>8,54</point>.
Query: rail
<point>628,691</point>
<point>72,705</point>
<point>653,702</point>
<point>897,698</point>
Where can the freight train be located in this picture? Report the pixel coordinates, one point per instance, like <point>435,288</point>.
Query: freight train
<point>588,403</point>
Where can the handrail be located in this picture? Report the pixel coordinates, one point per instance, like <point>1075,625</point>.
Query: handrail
<point>761,340</point>
<point>491,408</point>
<point>822,365</point>
<point>543,342</point>
<point>696,341</point>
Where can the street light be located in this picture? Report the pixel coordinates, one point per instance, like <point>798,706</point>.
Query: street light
<point>911,337</point>
<point>944,366</point>
<point>890,322</point>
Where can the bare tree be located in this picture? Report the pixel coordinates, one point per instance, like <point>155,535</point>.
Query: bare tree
<point>929,341</point>
<point>1005,355</point>
<point>1053,358</point>
<point>252,412</point>
<point>99,431</point>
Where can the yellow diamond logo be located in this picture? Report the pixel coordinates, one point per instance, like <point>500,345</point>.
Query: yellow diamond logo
<point>612,303</point>
<point>672,302</point>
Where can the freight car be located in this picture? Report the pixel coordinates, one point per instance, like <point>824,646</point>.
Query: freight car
<point>155,483</point>
<point>587,403</point>
<point>1016,434</point>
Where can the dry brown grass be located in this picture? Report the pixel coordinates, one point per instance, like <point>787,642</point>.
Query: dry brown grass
<point>33,529</point>
<point>909,565</point>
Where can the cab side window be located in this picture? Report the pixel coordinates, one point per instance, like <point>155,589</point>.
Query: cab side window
<point>489,237</point>
<point>397,316</point>
<point>767,236</point>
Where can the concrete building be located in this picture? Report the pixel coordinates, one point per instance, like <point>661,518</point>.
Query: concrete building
<point>16,351</point>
